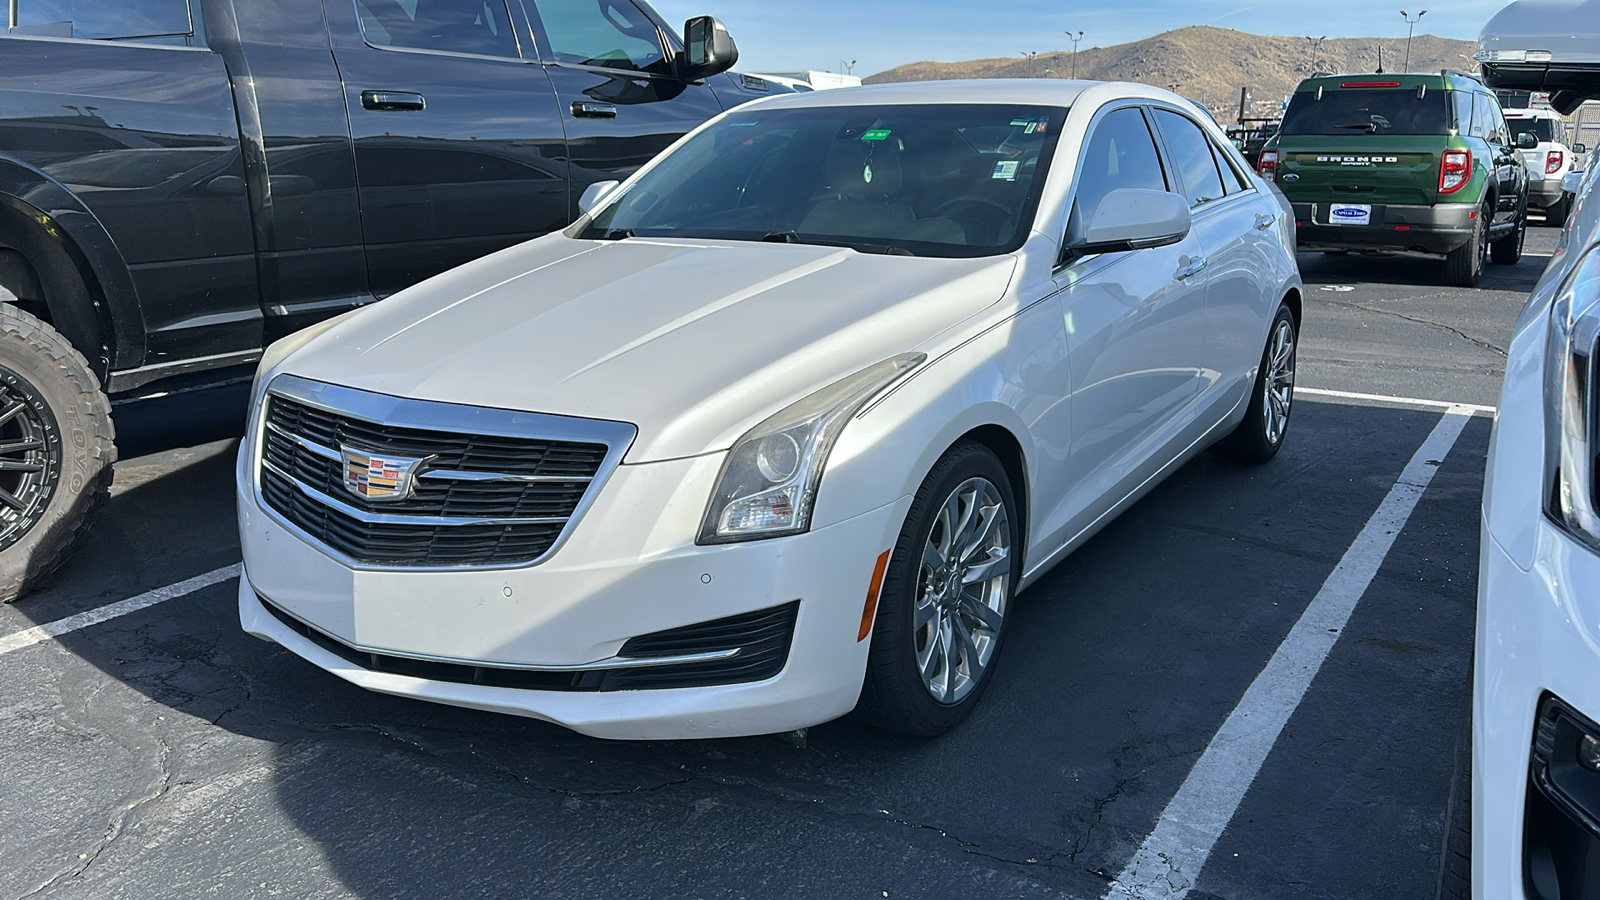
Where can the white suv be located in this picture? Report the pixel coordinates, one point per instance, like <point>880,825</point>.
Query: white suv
<point>1535,761</point>
<point>1549,160</point>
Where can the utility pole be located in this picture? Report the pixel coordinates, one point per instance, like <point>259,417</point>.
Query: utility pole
<point>1410,30</point>
<point>1314,45</point>
<point>847,68</point>
<point>1029,56</point>
<point>1074,39</point>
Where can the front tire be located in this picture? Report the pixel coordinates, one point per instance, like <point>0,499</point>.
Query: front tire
<point>57,448</point>
<point>945,598</point>
<point>1260,436</point>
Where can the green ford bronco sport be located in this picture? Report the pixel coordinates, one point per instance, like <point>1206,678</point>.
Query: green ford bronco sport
<point>1402,162</point>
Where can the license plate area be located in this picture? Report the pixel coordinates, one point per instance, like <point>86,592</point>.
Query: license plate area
<point>1350,214</point>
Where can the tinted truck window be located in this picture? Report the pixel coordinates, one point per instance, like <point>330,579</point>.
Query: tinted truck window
<point>104,19</point>
<point>1375,111</point>
<point>1543,129</point>
<point>613,34</point>
<point>479,27</point>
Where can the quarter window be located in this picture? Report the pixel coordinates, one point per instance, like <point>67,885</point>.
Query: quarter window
<point>1121,154</point>
<point>478,27</point>
<point>104,19</point>
<point>1233,180</point>
<point>612,34</point>
<point>1191,156</point>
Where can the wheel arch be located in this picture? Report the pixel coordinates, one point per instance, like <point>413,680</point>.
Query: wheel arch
<point>62,240</point>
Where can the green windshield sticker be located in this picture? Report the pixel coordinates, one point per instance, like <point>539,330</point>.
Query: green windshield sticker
<point>876,134</point>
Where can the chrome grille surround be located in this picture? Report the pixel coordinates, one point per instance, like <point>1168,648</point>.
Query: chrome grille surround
<point>517,480</point>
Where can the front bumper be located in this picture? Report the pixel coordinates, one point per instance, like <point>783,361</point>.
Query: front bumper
<point>629,568</point>
<point>1538,644</point>
<point>1426,229</point>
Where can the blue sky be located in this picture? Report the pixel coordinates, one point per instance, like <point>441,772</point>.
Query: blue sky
<point>778,35</point>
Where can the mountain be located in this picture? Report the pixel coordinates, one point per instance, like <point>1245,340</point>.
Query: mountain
<point>1209,64</point>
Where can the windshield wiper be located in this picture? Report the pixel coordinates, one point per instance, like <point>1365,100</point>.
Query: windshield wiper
<point>790,237</point>
<point>1369,127</point>
<point>781,237</point>
<point>616,234</point>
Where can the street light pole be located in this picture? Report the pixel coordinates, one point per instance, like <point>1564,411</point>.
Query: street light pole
<point>847,68</point>
<point>1411,30</point>
<point>1074,39</point>
<point>1029,56</point>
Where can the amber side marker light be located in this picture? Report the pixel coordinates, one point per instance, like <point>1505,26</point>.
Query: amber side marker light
<point>870,611</point>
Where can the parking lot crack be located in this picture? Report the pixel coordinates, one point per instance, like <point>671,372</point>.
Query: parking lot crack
<point>1418,320</point>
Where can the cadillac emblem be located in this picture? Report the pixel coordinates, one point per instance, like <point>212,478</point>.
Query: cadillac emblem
<point>379,479</point>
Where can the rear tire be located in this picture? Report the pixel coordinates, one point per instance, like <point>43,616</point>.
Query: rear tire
<point>1463,266</point>
<point>964,522</point>
<point>1508,250</point>
<point>1266,423</point>
<point>57,449</point>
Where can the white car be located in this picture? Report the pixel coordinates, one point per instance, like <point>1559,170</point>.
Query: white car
<point>782,426</point>
<point>1549,160</point>
<point>1535,761</point>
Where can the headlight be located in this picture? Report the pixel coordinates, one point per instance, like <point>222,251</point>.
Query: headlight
<point>1569,384</point>
<point>769,480</point>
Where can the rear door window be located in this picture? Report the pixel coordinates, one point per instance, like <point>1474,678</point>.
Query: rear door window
<point>1367,110</point>
<point>104,19</point>
<point>477,27</point>
<point>1192,157</point>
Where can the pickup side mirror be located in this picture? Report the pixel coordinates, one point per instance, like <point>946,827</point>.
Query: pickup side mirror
<point>595,194</point>
<point>1527,141</point>
<point>1579,149</point>
<point>1132,219</point>
<point>708,48</point>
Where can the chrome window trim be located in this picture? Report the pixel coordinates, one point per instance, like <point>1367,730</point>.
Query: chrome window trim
<point>431,415</point>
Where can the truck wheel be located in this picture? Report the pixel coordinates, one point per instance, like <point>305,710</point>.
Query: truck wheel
<point>1556,216</point>
<point>1508,250</point>
<point>1463,266</point>
<point>57,447</point>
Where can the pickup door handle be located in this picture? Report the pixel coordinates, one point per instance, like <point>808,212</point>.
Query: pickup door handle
<point>392,101</point>
<point>583,109</point>
<point>1192,266</point>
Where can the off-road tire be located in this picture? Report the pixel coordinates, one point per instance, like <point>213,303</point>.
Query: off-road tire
<point>1508,250</point>
<point>1250,441</point>
<point>65,397</point>
<point>1463,266</point>
<point>894,696</point>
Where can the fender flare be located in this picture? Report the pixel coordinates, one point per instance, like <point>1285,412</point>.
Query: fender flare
<point>114,326</point>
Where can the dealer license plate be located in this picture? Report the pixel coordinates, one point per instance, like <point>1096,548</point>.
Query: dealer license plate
<point>1350,214</point>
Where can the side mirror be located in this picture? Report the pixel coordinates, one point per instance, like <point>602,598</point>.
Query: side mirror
<point>595,194</point>
<point>1572,182</point>
<point>1579,149</point>
<point>1527,141</point>
<point>1133,219</point>
<point>708,48</point>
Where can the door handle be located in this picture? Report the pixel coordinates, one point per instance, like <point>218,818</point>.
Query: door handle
<point>1263,222</point>
<point>392,101</point>
<point>583,109</point>
<point>1193,267</point>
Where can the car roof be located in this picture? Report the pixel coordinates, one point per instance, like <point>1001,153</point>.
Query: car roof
<point>999,91</point>
<point>1446,80</point>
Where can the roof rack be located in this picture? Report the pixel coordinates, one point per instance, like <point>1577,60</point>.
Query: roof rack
<point>1461,74</point>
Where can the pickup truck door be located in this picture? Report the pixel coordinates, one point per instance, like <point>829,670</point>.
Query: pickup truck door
<point>614,71</point>
<point>458,140</point>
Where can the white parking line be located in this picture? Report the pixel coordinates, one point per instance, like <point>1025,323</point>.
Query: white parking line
<point>1169,861</point>
<point>30,636</point>
<point>1399,401</point>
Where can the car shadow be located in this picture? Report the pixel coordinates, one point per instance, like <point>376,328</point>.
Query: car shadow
<point>1120,665</point>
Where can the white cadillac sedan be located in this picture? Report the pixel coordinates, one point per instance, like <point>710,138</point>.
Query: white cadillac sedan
<point>779,429</point>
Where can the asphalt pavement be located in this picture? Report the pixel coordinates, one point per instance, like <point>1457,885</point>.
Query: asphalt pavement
<point>164,753</point>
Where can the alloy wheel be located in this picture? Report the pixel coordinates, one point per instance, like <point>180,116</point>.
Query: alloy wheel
<point>964,585</point>
<point>30,457</point>
<point>1279,383</point>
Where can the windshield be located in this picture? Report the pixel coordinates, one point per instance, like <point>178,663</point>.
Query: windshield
<point>927,180</point>
<point>1543,129</point>
<point>1367,111</point>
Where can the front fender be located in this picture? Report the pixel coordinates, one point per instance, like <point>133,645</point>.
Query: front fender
<point>29,195</point>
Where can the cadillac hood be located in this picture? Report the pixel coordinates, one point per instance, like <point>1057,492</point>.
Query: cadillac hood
<point>693,342</point>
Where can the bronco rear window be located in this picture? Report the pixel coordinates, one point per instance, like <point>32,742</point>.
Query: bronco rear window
<point>1367,111</point>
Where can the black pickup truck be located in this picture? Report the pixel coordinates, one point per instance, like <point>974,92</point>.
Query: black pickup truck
<point>182,182</point>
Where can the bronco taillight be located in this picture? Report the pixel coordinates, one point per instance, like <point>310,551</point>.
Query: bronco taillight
<point>1455,171</point>
<point>1269,165</point>
<point>1552,163</point>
